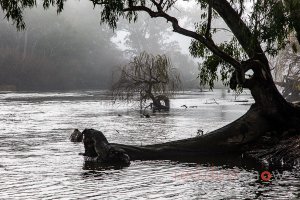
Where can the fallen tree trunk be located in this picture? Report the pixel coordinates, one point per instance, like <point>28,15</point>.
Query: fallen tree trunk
<point>244,137</point>
<point>225,139</point>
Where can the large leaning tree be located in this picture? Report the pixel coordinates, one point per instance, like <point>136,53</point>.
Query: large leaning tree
<point>270,129</point>
<point>150,78</point>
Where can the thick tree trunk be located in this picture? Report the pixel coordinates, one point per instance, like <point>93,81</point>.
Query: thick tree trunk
<point>156,102</point>
<point>158,106</point>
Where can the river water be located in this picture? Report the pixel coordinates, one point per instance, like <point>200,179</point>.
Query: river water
<point>37,160</point>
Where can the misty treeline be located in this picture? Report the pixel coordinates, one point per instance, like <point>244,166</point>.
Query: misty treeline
<point>69,51</point>
<point>72,51</point>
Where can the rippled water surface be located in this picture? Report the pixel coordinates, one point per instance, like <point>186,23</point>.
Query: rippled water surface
<point>38,161</point>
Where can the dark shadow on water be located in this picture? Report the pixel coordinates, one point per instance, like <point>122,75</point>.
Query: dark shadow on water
<point>99,171</point>
<point>102,166</point>
<point>223,161</point>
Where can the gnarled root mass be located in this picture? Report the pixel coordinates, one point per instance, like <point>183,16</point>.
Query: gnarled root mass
<point>268,139</point>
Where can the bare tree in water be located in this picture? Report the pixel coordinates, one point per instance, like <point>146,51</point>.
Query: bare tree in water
<point>148,77</point>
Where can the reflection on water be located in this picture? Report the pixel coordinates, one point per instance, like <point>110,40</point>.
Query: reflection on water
<point>38,161</point>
